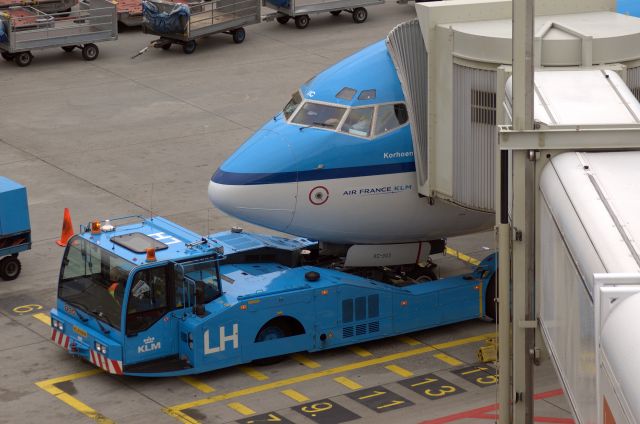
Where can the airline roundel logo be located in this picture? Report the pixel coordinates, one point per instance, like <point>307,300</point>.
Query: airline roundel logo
<point>318,195</point>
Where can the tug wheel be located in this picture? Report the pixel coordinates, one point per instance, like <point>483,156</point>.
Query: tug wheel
<point>490,302</point>
<point>271,332</point>
<point>10,268</point>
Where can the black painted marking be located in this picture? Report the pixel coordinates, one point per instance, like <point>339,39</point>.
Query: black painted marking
<point>479,374</point>
<point>195,413</point>
<point>431,386</point>
<point>380,399</point>
<point>325,411</point>
<point>269,417</point>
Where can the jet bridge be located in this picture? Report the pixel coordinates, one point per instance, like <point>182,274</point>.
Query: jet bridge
<point>449,74</point>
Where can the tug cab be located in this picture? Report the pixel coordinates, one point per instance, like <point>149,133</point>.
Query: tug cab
<point>124,293</point>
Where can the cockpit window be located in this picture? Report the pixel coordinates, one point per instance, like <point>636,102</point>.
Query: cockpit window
<point>296,98</point>
<point>390,117</point>
<point>358,122</point>
<point>367,95</point>
<point>319,115</point>
<point>346,93</point>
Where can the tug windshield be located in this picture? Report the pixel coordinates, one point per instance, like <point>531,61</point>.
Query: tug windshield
<point>93,280</point>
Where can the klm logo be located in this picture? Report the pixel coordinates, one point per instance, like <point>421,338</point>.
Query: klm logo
<point>233,337</point>
<point>149,345</point>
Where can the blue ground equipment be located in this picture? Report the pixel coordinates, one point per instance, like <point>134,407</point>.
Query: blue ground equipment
<point>629,7</point>
<point>15,231</point>
<point>151,298</point>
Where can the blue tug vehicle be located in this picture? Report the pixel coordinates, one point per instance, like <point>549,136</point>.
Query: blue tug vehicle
<point>151,298</point>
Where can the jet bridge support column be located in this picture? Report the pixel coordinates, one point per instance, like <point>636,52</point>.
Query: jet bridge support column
<point>522,228</point>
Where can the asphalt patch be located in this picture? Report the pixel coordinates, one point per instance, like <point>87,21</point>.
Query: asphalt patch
<point>67,387</point>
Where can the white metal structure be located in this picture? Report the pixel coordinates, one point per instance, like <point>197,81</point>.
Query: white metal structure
<point>586,227</point>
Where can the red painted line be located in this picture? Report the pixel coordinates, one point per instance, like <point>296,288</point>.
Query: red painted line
<point>472,413</point>
<point>482,413</point>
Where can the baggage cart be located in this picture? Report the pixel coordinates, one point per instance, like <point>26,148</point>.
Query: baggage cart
<point>27,28</point>
<point>300,10</point>
<point>15,229</point>
<point>184,23</point>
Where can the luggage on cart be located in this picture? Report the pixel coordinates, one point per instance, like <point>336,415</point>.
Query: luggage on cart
<point>179,23</point>
<point>28,28</point>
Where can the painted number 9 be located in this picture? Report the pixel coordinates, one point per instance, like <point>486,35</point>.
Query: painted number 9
<point>317,407</point>
<point>25,309</point>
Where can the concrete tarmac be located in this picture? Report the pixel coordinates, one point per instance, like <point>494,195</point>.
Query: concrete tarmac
<point>120,136</point>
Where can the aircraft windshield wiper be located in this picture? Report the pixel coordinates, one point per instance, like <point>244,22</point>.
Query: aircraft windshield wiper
<point>316,124</point>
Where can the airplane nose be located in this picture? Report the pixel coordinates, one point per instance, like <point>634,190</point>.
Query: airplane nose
<point>258,183</point>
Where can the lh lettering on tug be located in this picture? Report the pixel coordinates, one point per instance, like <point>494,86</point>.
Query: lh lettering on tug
<point>223,340</point>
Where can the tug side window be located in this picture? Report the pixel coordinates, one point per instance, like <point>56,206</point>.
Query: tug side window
<point>148,299</point>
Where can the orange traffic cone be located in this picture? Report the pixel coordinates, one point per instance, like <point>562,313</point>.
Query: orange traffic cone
<point>67,229</point>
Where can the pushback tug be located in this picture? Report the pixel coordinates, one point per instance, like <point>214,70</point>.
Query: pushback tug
<point>151,298</point>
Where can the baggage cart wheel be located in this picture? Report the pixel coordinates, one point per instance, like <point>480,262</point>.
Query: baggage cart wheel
<point>23,59</point>
<point>302,21</point>
<point>335,12</point>
<point>238,35</point>
<point>359,15</point>
<point>166,46</point>
<point>90,51</point>
<point>68,49</point>
<point>282,19</point>
<point>7,56</point>
<point>189,47</point>
<point>10,268</point>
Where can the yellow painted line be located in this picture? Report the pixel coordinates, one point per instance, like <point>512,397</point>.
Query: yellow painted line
<point>409,340</point>
<point>360,351</point>
<point>307,362</point>
<point>242,409</point>
<point>69,377</point>
<point>49,387</point>
<point>176,410</point>
<point>448,359</point>
<point>194,382</point>
<point>461,256</point>
<point>399,370</point>
<point>350,384</point>
<point>297,396</point>
<point>254,373</point>
<point>46,319</point>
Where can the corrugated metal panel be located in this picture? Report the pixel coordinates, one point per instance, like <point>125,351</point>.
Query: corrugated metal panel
<point>409,55</point>
<point>474,137</point>
<point>633,81</point>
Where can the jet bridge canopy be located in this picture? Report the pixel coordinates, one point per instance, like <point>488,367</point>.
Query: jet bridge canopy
<point>466,43</point>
